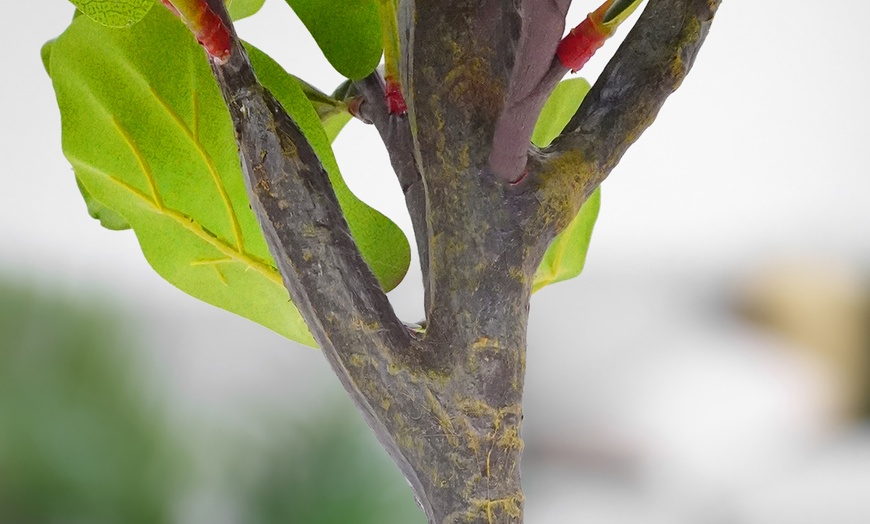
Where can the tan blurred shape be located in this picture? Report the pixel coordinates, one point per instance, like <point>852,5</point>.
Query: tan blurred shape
<point>822,308</point>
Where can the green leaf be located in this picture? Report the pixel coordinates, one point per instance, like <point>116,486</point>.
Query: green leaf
<point>108,218</point>
<point>566,255</point>
<point>148,135</point>
<point>243,8</point>
<point>115,13</point>
<point>334,123</point>
<point>558,110</point>
<point>347,31</point>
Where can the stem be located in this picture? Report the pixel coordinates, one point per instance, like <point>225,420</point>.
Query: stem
<point>208,28</point>
<point>581,43</point>
<point>533,78</point>
<point>390,32</point>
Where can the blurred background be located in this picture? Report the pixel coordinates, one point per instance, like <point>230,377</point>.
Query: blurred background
<point>710,366</point>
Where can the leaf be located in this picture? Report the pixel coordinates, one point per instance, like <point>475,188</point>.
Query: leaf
<point>115,13</point>
<point>334,123</point>
<point>243,8</point>
<point>618,12</point>
<point>566,255</point>
<point>347,31</point>
<point>148,135</point>
<point>558,110</point>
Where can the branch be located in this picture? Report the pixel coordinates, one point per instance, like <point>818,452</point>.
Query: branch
<point>290,190</point>
<point>395,131</point>
<point>651,64</point>
<point>330,283</point>
<point>534,76</point>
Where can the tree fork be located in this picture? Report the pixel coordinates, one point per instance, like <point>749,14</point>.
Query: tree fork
<point>446,404</point>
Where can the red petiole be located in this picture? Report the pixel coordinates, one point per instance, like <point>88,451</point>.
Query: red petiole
<point>208,28</point>
<point>584,40</point>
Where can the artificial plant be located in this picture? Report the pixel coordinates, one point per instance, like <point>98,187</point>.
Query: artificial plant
<point>221,163</point>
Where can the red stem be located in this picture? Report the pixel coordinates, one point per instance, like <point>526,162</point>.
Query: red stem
<point>581,43</point>
<point>208,28</point>
<point>393,93</point>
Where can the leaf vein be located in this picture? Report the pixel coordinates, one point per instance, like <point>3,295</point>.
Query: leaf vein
<point>156,199</point>
<point>226,249</point>
<point>135,73</point>
<point>207,159</point>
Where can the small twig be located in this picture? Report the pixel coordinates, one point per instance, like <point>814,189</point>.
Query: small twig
<point>392,91</point>
<point>535,75</point>
<point>395,131</point>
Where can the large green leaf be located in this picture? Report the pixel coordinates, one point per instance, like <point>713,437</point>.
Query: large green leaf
<point>566,255</point>
<point>347,31</point>
<point>148,135</point>
<point>115,13</point>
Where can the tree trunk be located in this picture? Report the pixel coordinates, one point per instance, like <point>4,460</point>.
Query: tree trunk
<point>447,403</point>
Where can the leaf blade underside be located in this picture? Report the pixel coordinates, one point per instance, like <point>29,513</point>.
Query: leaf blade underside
<point>149,137</point>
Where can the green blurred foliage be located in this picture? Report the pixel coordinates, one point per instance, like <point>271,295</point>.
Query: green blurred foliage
<point>329,470</point>
<point>78,441</point>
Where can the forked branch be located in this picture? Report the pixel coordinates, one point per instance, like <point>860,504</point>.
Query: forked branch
<point>650,65</point>
<point>327,278</point>
<point>447,404</point>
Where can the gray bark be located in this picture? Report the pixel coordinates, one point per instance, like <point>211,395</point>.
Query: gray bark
<point>447,404</point>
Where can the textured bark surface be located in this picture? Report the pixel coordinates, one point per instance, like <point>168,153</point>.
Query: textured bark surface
<point>447,403</point>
